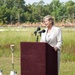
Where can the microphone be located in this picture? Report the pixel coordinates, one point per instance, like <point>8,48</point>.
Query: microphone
<point>35,32</point>
<point>43,31</point>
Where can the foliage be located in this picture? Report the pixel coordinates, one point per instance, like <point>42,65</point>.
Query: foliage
<point>12,11</point>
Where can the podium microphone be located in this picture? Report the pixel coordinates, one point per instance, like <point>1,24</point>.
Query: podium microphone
<point>35,32</point>
<point>43,31</point>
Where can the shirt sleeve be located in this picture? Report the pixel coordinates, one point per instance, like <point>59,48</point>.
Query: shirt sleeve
<point>59,39</point>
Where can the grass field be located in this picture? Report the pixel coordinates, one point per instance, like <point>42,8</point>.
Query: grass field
<point>16,35</point>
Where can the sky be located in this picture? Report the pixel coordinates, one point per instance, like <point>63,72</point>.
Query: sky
<point>46,1</point>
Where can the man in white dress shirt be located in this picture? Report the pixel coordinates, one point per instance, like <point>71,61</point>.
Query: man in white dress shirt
<point>52,35</point>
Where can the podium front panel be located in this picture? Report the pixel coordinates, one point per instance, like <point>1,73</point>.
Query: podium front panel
<point>38,59</point>
<point>33,59</point>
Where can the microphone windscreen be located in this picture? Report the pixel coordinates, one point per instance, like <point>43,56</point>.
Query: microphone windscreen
<point>43,31</point>
<point>35,32</point>
<point>38,28</point>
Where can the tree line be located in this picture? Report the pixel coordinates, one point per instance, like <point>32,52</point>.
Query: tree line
<point>13,11</point>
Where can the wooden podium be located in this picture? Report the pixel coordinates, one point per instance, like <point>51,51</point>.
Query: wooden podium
<point>38,59</point>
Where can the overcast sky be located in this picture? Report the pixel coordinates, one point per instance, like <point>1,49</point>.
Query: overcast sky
<point>46,1</point>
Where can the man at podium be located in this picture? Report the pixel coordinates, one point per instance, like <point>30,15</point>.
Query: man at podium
<point>52,35</point>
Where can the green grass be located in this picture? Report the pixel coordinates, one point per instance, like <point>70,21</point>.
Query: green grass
<point>67,68</point>
<point>68,46</point>
<point>17,35</point>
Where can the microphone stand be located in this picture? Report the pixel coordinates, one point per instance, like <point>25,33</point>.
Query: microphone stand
<point>37,38</point>
<point>36,32</point>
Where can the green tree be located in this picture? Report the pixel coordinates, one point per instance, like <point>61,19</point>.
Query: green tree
<point>70,9</point>
<point>4,13</point>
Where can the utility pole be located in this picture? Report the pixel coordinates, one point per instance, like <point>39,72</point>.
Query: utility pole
<point>11,19</point>
<point>18,17</point>
<point>73,18</point>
